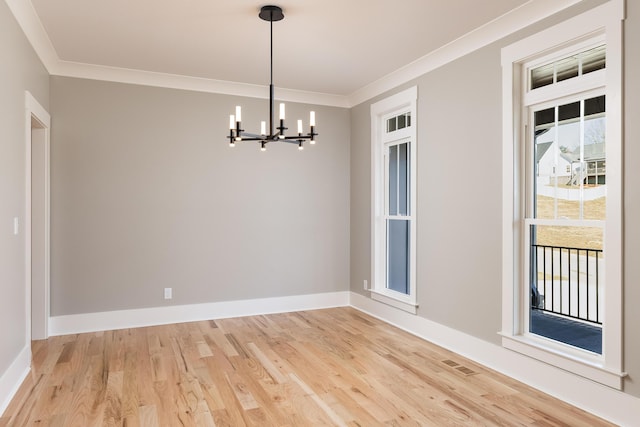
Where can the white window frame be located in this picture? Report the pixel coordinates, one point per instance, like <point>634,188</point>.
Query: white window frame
<point>400,103</point>
<point>604,24</point>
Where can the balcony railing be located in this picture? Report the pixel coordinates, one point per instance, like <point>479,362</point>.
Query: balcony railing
<point>566,281</point>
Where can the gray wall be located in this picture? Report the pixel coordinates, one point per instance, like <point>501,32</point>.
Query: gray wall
<point>459,227</point>
<point>459,192</point>
<point>147,194</point>
<point>20,70</point>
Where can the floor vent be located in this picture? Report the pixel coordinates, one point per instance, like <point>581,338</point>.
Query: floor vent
<point>458,367</point>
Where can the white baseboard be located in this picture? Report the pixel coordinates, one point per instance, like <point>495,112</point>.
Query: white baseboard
<point>605,402</point>
<point>13,377</point>
<point>123,319</point>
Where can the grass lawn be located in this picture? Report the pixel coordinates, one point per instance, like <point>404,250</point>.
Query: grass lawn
<point>574,237</point>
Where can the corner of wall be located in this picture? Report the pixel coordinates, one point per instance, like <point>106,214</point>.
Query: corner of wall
<point>13,377</point>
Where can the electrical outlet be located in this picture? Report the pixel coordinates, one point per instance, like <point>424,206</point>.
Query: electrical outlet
<point>366,285</point>
<point>168,293</point>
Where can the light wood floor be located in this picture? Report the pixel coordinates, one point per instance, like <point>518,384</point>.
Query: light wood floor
<point>322,367</point>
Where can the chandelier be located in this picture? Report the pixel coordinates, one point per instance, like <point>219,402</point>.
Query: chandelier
<point>275,134</point>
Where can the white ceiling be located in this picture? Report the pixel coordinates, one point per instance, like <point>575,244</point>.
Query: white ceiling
<point>325,46</point>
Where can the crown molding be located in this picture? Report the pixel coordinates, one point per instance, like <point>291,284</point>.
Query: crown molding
<point>175,81</point>
<point>515,20</point>
<point>32,27</point>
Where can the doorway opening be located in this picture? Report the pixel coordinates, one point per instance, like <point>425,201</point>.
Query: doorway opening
<point>37,225</point>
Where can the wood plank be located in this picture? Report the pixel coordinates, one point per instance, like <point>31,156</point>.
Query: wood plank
<point>113,399</point>
<point>148,416</point>
<point>275,373</point>
<point>318,401</point>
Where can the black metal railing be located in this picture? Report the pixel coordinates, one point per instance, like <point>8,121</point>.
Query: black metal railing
<point>566,281</point>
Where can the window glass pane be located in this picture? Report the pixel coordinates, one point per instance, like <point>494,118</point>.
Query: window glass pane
<point>408,119</point>
<point>403,179</point>
<point>542,76</point>
<point>594,106</point>
<point>567,68</point>
<point>398,255</point>
<point>545,118</point>
<point>595,179</point>
<point>391,124</point>
<point>545,163</point>
<point>568,112</point>
<point>569,237</point>
<point>402,122</point>
<point>594,59</point>
<point>567,285</point>
<point>393,180</point>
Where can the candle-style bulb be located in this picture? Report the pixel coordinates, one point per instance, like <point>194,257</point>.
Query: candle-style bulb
<point>312,118</point>
<point>263,128</point>
<point>238,114</point>
<point>281,111</point>
<point>232,122</point>
<point>299,126</point>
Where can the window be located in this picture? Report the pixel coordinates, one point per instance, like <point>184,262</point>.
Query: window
<point>562,191</point>
<point>566,219</point>
<point>393,225</point>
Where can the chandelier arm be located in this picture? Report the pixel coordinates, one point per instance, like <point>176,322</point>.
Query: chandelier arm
<point>296,137</point>
<point>252,137</point>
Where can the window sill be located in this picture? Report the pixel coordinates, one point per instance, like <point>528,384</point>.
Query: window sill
<point>402,304</point>
<point>585,366</point>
